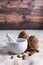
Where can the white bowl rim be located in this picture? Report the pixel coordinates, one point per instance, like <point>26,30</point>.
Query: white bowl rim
<point>17,39</point>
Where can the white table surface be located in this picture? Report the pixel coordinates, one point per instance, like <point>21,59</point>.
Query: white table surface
<point>35,59</point>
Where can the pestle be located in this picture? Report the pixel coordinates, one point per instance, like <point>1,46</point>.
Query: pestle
<point>10,38</point>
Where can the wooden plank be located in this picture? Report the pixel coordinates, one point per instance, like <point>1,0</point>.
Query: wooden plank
<point>24,14</point>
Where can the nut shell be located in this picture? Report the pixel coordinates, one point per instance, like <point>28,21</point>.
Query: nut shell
<point>33,43</point>
<point>24,35</point>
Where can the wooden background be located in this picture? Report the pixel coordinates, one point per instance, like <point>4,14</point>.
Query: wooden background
<point>21,14</point>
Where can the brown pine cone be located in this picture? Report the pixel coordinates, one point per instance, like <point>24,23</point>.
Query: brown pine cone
<point>24,35</point>
<point>33,43</point>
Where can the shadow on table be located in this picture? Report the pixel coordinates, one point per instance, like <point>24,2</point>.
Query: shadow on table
<point>5,51</point>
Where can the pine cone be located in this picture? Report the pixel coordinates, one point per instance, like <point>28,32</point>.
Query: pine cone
<point>24,35</point>
<point>33,43</point>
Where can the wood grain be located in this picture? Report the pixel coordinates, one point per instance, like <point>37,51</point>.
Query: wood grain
<point>21,14</point>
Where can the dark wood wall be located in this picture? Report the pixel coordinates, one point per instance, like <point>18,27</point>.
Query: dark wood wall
<point>21,14</point>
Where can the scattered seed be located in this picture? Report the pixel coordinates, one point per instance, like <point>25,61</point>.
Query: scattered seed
<point>18,56</point>
<point>11,57</point>
<point>29,54</point>
<point>23,57</point>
